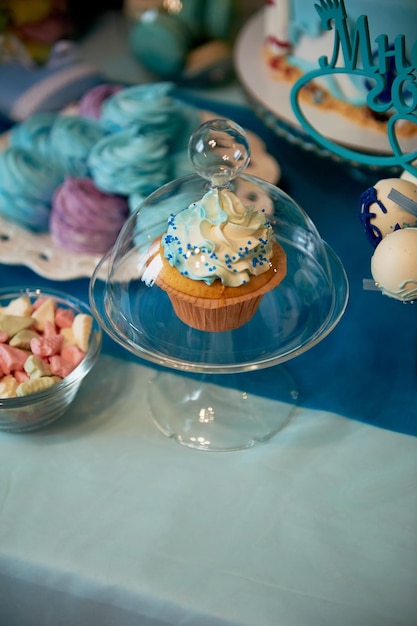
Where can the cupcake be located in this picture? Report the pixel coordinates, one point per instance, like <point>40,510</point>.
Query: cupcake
<point>216,261</point>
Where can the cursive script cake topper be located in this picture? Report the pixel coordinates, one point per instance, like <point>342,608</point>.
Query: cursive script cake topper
<point>359,60</point>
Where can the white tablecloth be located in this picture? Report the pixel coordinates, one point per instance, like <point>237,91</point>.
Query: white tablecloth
<point>106,522</point>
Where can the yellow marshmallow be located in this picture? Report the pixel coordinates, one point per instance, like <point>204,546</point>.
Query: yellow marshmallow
<point>46,312</point>
<point>68,337</point>
<point>19,306</point>
<point>8,386</point>
<point>12,324</point>
<point>81,328</point>
<point>35,367</point>
<point>23,338</point>
<point>35,384</point>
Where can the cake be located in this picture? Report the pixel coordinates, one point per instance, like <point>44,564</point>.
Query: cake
<point>216,261</point>
<point>295,40</point>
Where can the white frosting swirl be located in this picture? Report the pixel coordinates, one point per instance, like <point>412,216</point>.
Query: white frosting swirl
<point>219,238</point>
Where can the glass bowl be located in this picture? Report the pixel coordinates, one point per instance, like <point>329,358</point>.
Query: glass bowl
<point>36,410</point>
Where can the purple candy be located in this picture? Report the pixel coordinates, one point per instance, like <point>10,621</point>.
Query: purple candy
<point>85,219</point>
<point>90,103</point>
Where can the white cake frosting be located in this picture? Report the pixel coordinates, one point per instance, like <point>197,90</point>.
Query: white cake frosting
<point>292,31</point>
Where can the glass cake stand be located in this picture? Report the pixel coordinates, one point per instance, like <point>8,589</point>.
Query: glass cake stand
<point>217,403</point>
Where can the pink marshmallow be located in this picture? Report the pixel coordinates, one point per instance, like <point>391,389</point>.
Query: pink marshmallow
<point>64,318</point>
<point>49,329</point>
<point>20,376</point>
<point>60,367</point>
<point>72,354</point>
<point>46,346</point>
<point>3,336</point>
<point>11,358</point>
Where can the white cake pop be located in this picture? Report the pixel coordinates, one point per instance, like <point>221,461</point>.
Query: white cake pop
<point>394,265</point>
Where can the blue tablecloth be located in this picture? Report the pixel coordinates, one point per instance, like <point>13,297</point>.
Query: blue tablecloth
<point>367,368</point>
<point>105,522</point>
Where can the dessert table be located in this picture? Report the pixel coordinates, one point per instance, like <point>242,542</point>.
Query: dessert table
<point>105,522</point>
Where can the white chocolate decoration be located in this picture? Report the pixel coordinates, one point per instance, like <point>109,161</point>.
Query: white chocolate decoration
<point>394,265</point>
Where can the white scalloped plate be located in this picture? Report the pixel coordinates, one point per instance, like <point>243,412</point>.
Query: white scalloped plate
<point>19,246</point>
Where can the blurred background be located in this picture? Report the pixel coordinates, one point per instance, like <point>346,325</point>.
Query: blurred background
<point>64,47</point>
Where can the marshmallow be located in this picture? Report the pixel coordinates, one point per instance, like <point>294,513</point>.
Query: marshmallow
<point>36,367</point>
<point>8,387</point>
<point>12,324</point>
<point>35,384</point>
<point>45,311</point>
<point>23,338</point>
<point>81,328</point>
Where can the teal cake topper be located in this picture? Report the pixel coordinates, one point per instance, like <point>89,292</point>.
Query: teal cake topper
<point>355,47</point>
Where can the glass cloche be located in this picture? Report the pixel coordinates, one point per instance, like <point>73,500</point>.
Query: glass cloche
<point>292,314</point>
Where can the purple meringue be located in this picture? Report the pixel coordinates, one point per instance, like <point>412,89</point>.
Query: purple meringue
<point>85,219</point>
<point>91,103</point>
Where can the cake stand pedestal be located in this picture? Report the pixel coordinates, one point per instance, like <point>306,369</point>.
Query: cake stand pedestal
<point>217,412</point>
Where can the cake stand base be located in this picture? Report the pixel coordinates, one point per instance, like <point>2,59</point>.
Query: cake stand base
<point>220,412</point>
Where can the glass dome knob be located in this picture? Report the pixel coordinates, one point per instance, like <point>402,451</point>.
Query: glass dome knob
<point>219,150</point>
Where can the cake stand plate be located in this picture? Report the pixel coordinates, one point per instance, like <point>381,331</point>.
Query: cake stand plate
<point>270,100</point>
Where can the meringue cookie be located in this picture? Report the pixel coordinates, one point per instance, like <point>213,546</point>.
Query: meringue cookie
<point>33,133</point>
<point>27,184</point>
<point>126,163</point>
<point>91,103</point>
<point>85,219</point>
<point>151,109</point>
<point>71,140</point>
